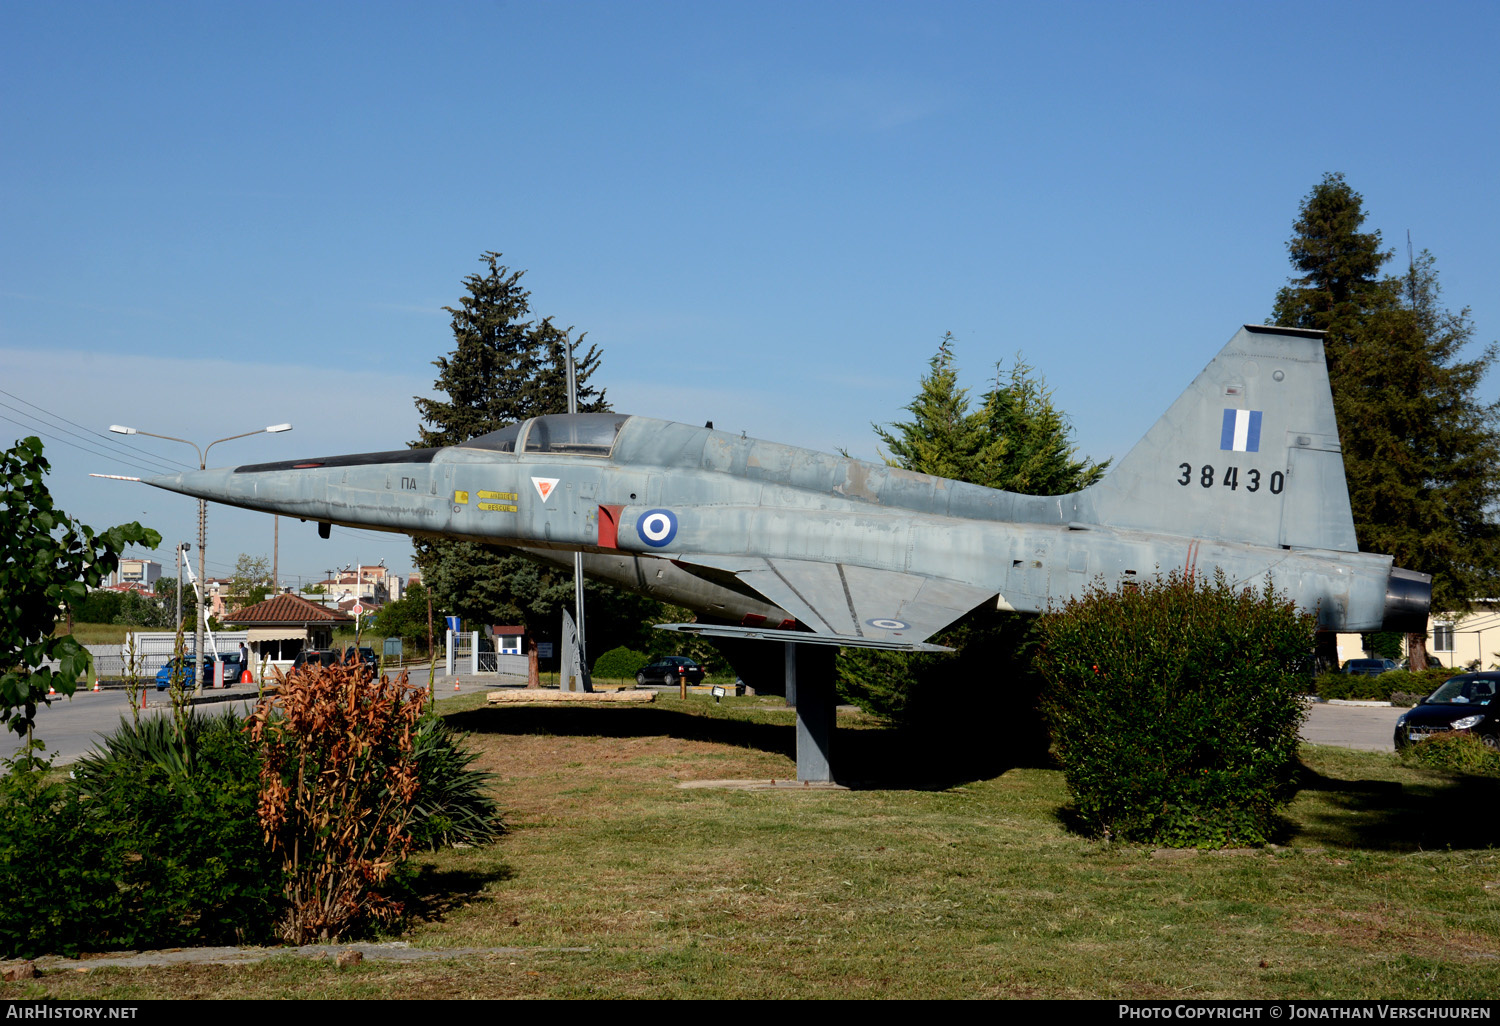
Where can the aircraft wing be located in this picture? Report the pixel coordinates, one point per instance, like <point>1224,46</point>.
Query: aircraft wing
<point>857,605</point>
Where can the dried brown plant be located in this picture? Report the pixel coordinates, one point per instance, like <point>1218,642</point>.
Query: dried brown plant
<point>337,781</point>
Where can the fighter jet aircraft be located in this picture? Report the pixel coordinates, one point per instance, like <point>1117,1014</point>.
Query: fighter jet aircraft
<point>1243,473</point>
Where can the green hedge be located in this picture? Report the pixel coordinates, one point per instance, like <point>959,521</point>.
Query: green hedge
<point>1336,684</point>
<point>155,843</point>
<point>619,663</point>
<point>1175,708</point>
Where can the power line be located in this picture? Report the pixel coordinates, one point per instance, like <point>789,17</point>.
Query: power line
<point>116,457</point>
<point>92,435</point>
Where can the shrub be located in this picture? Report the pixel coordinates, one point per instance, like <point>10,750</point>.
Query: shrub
<point>76,906</point>
<point>1420,682</point>
<point>155,843</point>
<point>181,801</point>
<point>1454,751</point>
<point>915,690</point>
<point>619,663</point>
<point>1175,708</point>
<point>1336,684</point>
<point>1352,686</point>
<point>451,806</point>
<point>338,780</point>
<point>157,840</point>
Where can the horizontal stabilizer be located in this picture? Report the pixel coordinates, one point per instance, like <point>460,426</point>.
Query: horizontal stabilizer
<point>798,637</point>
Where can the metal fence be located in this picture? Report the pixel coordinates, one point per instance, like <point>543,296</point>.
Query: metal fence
<point>468,653</point>
<point>151,651</point>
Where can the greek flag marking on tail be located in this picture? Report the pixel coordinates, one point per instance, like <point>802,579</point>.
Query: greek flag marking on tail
<point>1241,431</point>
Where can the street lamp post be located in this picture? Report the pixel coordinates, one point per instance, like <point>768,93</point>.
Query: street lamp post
<point>199,618</point>
<point>577,556</point>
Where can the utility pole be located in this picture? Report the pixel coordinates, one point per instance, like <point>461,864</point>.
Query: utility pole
<point>181,547</point>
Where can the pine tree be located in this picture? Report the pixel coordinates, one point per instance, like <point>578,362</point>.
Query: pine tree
<point>1016,441</point>
<point>1033,439</point>
<point>1341,283</point>
<point>1421,452</point>
<point>943,438</point>
<point>504,368</point>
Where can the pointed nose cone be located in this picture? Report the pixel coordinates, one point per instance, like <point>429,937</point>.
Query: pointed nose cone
<point>215,485</point>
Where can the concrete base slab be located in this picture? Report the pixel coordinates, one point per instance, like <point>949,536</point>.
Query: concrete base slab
<point>764,785</point>
<point>549,696</point>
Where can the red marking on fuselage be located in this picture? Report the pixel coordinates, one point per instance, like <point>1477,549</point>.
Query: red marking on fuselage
<point>609,527</point>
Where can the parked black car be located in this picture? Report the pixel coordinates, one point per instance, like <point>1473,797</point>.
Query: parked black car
<point>318,656</point>
<point>329,656</point>
<point>670,670</point>
<point>1369,667</point>
<point>363,654</point>
<point>1465,702</point>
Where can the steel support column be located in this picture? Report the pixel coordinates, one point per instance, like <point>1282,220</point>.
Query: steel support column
<point>809,685</point>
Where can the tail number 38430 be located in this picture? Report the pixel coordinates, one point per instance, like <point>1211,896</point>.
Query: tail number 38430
<point>1230,478</point>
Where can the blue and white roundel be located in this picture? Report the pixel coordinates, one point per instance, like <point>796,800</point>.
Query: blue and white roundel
<point>657,527</point>
<point>888,625</point>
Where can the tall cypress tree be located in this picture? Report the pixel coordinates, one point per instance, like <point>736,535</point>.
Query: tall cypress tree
<point>504,368</point>
<point>1421,451</point>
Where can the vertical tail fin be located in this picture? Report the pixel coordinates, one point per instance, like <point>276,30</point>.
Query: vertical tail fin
<point>1249,453</point>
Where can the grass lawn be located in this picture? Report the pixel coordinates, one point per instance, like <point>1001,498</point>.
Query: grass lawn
<point>97,633</point>
<point>1387,885</point>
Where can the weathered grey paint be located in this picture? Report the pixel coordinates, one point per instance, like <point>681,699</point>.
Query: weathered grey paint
<point>859,553</point>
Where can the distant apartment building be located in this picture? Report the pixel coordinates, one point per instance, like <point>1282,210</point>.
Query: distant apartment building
<point>138,571</point>
<point>368,585</point>
<point>1455,640</point>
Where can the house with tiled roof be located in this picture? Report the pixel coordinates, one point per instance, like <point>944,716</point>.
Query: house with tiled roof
<point>284,625</point>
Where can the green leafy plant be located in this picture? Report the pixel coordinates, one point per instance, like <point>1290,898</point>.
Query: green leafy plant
<point>1355,686</point>
<point>452,804</point>
<point>1454,751</point>
<point>154,842</point>
<point>48,562</point>
<point>180,801</point>
<point>79,906</point>
<point>1175,708</point>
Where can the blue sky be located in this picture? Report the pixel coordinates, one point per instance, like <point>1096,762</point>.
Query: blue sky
<point>216,216</point>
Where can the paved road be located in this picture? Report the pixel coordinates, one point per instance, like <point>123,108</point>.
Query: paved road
<point>1369,729</point>
<point>71,726</point>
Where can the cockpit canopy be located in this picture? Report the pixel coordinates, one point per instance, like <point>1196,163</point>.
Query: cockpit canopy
<point>572,434</point>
